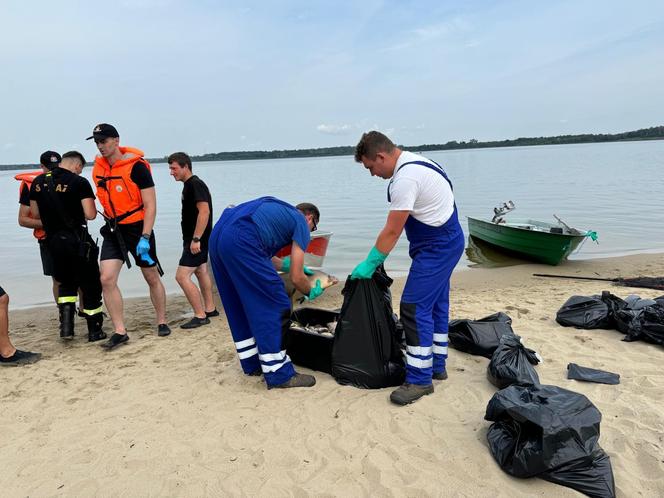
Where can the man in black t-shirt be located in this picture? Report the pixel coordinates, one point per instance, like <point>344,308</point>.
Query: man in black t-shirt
<point>47,160</point>
<point>196,227</point>
<point>64,202</point>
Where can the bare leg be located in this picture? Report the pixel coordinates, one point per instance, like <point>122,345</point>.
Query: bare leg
<point>157,292</point>
<point>6,348</point>
<point>109,271</point>
<point>183,278</point>
<point>205,283</point>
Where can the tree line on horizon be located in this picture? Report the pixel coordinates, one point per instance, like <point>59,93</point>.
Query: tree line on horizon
<point>653,133</point>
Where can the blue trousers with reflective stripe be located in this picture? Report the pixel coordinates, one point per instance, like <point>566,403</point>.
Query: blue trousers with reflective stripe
<point>254,298</point>
<point>425,302</point>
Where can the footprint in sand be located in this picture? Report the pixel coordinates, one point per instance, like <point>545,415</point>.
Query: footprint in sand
<point>519,311</point>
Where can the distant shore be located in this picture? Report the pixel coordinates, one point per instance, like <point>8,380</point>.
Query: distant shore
<point>643,134</point>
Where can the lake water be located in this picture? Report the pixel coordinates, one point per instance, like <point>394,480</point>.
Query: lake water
<point>614,188</point>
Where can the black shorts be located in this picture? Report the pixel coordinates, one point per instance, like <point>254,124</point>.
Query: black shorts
<point>46,258</point>
<point>2,292</point>
<point>193,260</point>
<point>131,234</point>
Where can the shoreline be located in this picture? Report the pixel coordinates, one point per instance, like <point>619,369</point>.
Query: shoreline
<point>398,275</point>
<point>175,416</point>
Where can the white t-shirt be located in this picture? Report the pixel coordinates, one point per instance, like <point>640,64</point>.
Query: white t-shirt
<point>421,190</point>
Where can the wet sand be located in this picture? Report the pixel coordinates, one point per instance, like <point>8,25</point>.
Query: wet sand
<point>174,416</point>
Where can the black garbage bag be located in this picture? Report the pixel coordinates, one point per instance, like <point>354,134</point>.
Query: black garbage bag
<point>366,351</point>
<point>628,321</point>
<point>552,433</point>
<point>592,476</point>
<point>512,363</point>
<point>652,324</point>
<point>642,324</point>
<point>590,312</point>
<point>584,312</point>
<point>614,305</point>
<point>577,372</point>
<point>479,337</point>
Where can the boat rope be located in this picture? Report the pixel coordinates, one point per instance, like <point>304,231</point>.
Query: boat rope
<point>592,234</point>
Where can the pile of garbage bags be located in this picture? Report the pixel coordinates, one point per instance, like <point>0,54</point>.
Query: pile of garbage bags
<point>540,430</point>
<point>639,319</point>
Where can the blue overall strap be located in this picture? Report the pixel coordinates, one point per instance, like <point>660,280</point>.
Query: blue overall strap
<point>437,168</point>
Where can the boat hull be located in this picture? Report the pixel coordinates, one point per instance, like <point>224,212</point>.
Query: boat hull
<point>315,252</point>
<point>543,247</point>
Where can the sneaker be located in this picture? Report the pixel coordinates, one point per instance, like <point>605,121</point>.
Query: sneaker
<point>20,358</point>
<point>115,340</point>
<point>440,376</point>
<point>407,393</point>
<point>195,322</point>
<point>163,330</point>
<point>297,380</point>
<point>210,314</point>
<point>256,373</point>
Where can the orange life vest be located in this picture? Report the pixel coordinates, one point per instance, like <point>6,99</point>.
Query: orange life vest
<point>117,193</point>
<point>27,179</point>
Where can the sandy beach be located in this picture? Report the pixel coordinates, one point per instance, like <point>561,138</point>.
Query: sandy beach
<point>175,417</point>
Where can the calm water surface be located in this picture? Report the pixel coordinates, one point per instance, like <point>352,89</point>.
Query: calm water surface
<point>615,189</point>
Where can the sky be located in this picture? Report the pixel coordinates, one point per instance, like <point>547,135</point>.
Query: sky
<point>207,76</point>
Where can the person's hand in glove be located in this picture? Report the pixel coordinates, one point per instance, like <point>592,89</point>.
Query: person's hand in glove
<point>285,266</point>
<point>143,249</point>
<point>367,267</point>
<point>316,291</point>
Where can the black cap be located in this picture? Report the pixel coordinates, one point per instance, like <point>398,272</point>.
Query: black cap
<point>50,159</point>
<point>104,130</point>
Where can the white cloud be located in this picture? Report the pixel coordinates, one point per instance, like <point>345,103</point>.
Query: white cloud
<point>332,129</point>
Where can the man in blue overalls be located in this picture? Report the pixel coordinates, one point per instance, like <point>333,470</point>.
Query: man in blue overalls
<point>421,201</point>
<point>242,248</point>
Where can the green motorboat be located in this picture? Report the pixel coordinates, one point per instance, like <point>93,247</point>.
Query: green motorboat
<point>530,239</point>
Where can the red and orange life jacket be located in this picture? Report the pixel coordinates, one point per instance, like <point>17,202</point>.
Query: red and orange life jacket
<point>117,193</point>
<point>27,179</point>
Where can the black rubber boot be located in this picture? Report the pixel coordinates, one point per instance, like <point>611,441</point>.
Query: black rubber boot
<point>67,314</point>
<point>95,332</point>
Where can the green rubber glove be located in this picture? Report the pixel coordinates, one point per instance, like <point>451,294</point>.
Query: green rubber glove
<point>367,267</point>
<point>285,266</point>
<point>316,291</point>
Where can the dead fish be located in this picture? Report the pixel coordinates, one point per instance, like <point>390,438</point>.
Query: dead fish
<point>331,327</point>
<point>311,329</point>
<point>326,280</point>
